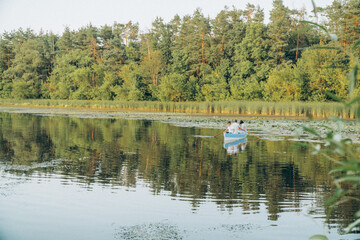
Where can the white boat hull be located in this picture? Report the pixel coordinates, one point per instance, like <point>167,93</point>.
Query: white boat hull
<point>233,137</point>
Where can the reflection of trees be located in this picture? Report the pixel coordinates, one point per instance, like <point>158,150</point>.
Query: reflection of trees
<point>121,152</point>
<point>23,140</point>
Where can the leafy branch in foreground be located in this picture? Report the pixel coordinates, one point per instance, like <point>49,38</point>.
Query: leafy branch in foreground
<point>346,173</point>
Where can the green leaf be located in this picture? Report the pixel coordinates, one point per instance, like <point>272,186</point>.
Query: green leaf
<point>346,141</point>
<point>353,76</point>
<point>314,7</point>
<point>356,45</point>
<point>336,98</point>
<point>352,225</point>
<point>315,24</point>
<point>357,99</point>
<point>327,127</point>
<point>304,29</point>
<point>299,145</point>
<point>338,193</point>
<point>337,119</point>
<point>329,135</point>
<point>318,237</point>
<point>349,179</point>
<point>347,167</point>
<point>312,131</point>
<point>314,48</point>
<point>334,67</point>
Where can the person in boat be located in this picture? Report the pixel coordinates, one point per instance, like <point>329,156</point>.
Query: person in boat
<point>228,129</point>
<point>235,127</point>
<point>242,127</point>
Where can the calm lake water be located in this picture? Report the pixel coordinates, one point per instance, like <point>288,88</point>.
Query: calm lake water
<point>86,178</point>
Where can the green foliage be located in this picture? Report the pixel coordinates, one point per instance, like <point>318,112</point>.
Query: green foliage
<point>251,55</point>
<point>106,90</point>
<point>74,76</point>
<point>245,89</point>
<point>346,173</point>
<point>279,31</point>
<point>130,89</point>
<point>323,73</point>
<point>260,108</point>
<point>193,90</point>
<point>21,89</point>
<point>343,21</point>
<point>26,70</point>
<point>234,56</point>
<point>215,87</point>
<point>172,88</point>
<point>151,66</point>
<point>284,84</point>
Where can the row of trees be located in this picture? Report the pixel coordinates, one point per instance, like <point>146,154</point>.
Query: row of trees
<point>234,56</point>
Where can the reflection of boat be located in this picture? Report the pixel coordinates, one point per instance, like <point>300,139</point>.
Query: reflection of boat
<point>234,136</point>
<point>233,145</point>
<point>236,142</point>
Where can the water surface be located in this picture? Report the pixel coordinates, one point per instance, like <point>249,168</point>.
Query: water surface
<point>87,178</point>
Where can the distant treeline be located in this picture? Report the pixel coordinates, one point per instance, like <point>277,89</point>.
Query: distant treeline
<point>235,56</point>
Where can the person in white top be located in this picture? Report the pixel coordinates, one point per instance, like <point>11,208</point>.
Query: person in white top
<point>235,127</point>
<point>229,128</point>
<point>242,127</point>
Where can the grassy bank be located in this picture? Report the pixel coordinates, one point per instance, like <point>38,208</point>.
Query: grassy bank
<point>285,109</point>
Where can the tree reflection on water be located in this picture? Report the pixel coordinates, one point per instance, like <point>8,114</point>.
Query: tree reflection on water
<point>169,160</point>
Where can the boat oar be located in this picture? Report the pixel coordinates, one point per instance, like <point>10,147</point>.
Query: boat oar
<point>253,135</point>
<point>219,133</point>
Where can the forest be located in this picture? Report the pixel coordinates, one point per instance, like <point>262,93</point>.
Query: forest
<point>234,56</point>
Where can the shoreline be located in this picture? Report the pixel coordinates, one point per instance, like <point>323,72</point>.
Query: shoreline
<point>273,128</point>
<point>295,110</point>
<point>68,109</point>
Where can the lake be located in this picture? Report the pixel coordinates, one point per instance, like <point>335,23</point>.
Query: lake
<point>107,178</point>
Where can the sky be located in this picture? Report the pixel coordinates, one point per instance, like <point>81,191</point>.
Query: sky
<point>55,15</point>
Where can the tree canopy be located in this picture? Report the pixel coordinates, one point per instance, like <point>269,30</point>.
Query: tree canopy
<point>235,56</point>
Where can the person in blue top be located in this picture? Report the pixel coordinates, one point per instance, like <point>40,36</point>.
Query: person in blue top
<point>243,127</point>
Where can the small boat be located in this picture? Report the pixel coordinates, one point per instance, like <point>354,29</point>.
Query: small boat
<point>230,137</point>
<point>235,142</point>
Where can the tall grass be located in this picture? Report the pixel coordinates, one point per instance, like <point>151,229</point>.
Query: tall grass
<point>260,108</point>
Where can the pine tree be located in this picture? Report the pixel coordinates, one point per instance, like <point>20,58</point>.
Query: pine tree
<point>279,32</point>
<point>161,38</point>
<point>113,55</point>
<point>251,63</point>
<point>66,41</point>
<point>6,51</point>
<point>195,33</point>
<point>344,21</point>
<point>222,34</point>
<point>24,75</point>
